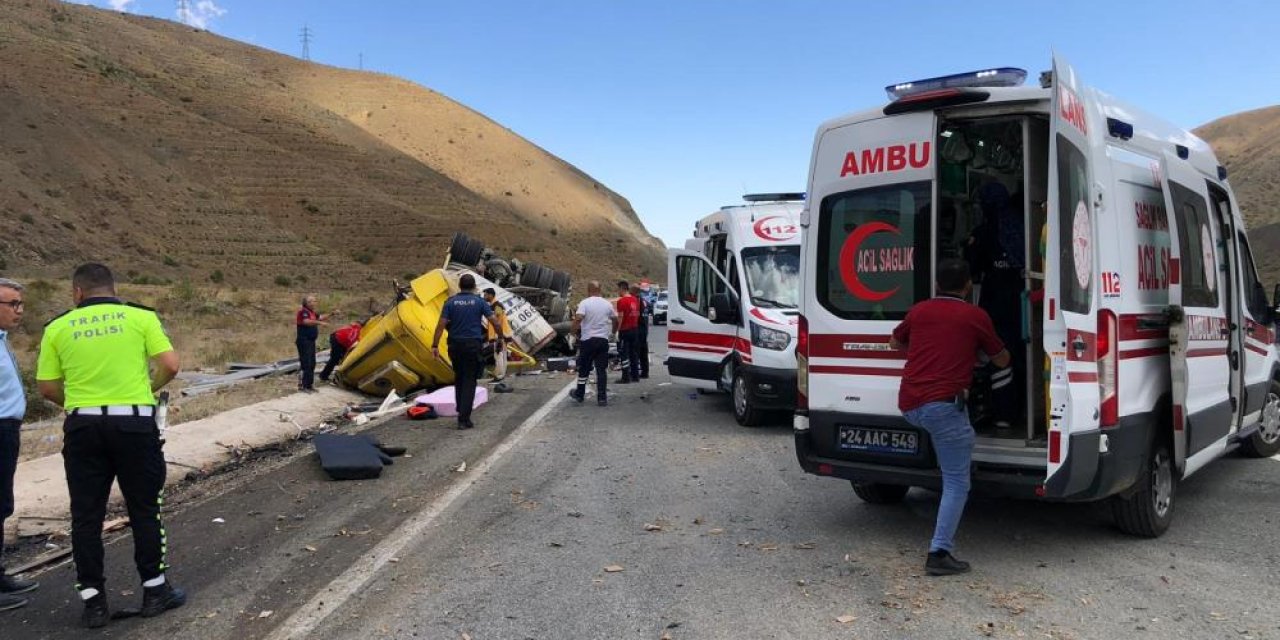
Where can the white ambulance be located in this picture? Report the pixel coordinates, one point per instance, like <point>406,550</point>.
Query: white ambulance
<point>1145,334</point>
<point>733,292</point>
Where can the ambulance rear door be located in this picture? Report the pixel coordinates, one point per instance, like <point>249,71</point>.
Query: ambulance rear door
<point>1071,313</point>
<point>696,346</point>
<point>1199,328</point>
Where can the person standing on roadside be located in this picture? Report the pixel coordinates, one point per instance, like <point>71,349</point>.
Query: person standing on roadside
<point>628,333</point>
<point>641,350</point>
<point>593,322</point>
<point>340,342</point>
<point>13,407</point>
<point>463,315</point>
<point>499,334</point>
<point>943,337</point>
<point>308,321</point>
<point>95,362</point>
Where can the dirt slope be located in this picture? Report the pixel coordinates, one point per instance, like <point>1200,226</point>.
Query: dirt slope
<point>1248,144</point>
<point>171,152</point>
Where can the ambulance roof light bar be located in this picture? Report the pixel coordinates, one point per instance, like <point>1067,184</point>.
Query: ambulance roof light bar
<point>774,197</point>
<point>998,77</point>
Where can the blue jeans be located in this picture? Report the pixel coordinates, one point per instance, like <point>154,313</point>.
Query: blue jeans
<point>952,436</point>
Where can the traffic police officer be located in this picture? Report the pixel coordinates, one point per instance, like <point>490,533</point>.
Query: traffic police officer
<point>463,315</point>
<point>13,406</point>
<point>94,363</point>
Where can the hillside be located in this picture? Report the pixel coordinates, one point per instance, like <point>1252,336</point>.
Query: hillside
<point>1248,144</point>
<point>173,153</point>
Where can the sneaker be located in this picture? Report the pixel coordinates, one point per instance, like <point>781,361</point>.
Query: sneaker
<point>13,586</point>
<point>11,602</point>
<point>95,614</point>
<point>157,600</point>
<point>942,563</point>
<point>576,395</point>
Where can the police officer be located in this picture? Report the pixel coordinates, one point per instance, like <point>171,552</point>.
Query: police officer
<point>463,315</point>
<point>94,362</point>
<point>13,406</point>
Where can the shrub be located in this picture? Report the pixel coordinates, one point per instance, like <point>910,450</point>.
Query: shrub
<point>283,281</point>
<point>170,262</point>
<point>27,219</point>
<point>366,256</point>
<point>216,276</point>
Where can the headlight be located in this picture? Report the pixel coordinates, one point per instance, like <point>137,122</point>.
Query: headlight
<point>767,338</point>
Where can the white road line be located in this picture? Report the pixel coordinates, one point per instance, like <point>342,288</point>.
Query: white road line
<point>303,623</point>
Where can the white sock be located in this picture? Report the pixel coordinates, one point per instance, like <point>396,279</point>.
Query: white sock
<point>88,594</point>
<point>154,582</point>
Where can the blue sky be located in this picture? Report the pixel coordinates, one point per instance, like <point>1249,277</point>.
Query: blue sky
<point>684,105</point>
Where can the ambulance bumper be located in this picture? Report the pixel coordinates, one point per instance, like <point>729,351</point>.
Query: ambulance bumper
<point>1092,474</point>
<point>771,388</point>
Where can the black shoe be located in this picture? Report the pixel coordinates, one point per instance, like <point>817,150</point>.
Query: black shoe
<point>603,402</point>
<point>10,602</point>
<point>622,381</point>
<point>462,426</point>
<point>576,395</point>
<point>10,585</point>
<point>96,615</point>
<point>644,376</point>
<point>157,600</point>
<point>942,563</point>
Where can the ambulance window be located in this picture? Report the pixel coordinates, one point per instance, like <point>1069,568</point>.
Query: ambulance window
<point>1254,292</point>
<point>874,251</point>
<point>696,281</point>
<point>733,275</point>
<point>1075,244</point>
<point>1196,251</point>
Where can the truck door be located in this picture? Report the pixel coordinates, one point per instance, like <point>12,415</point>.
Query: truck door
<point>696,346</point>
<point>1071,313</point>
<point>1199,328</point>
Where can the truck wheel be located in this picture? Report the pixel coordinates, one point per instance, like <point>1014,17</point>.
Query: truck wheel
<point>458,247</point>
<point>1266,441</point>
<point>1148,510</point>
<point>545,276</point>
<point>560,283</point>
<point>875,493</point>
<point>529,277</point>
<point>744,410</point>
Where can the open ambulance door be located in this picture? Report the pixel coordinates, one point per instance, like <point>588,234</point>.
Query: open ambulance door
<point>1199,329</point>
<point>1072,313</point>
<point>696,346</point>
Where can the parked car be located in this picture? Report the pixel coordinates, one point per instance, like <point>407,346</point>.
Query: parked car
<point>660,308</point>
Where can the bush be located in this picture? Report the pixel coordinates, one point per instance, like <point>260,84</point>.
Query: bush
<point>366,256</point>
<point>27,219</point>
<point>216,276</point>
<point>283,281</point>
<point>170,262</point>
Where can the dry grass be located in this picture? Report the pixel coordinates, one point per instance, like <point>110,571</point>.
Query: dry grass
<point>209,327</point>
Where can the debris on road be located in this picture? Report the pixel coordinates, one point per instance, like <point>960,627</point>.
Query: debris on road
<point>652,527</point>
<point>219,521</point>
<point>846,618</point>
<point>265,614</point>
<point>614,568</point>
<point>460,467</point>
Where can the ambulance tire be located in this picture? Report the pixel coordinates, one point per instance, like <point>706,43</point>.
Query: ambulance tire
<point>744,409</point>
<point>1148,510</point>
<point>874,493</point>
<point>1265,442</point>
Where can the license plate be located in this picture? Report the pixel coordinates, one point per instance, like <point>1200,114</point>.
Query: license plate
<point>874,440</point>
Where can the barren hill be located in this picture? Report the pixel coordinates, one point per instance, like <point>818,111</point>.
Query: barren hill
<point>170,152</point>
<point>1248,144</point>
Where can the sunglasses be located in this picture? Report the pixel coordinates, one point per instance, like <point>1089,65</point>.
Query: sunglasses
<point>15,304</point>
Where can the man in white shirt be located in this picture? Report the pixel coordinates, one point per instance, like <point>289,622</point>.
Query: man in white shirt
<point>13,407</point>
<point>593,322</point>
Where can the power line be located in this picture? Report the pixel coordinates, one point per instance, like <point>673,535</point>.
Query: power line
<point>306,42</point>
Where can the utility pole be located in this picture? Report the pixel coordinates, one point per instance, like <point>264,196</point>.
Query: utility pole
<point>362,61</point>
<point>306,42</point>
<point>184,11</point>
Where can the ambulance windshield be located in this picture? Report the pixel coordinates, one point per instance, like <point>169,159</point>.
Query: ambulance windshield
<point>773,275</point>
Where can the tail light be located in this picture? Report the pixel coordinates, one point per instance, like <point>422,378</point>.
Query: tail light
<point>1108,363</point>
<point>802,364</point>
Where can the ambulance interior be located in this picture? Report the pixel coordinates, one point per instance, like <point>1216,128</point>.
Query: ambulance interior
<point>992,184</point>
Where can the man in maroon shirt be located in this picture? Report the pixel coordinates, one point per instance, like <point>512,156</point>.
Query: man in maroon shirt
<point>628,333</point>
<point>943,337</point>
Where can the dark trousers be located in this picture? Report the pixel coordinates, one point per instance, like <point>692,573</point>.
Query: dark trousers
<point>336,353</point>
<point>307,360</point>
<point>1003,302</point>
<point>465,356</point>
<point>627,354</point>
<point>96,451</point>
<point>642,346</point>
<point>9,442</point>
<point>594,352</point>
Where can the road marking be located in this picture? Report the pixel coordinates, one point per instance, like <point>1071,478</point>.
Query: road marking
<point>303,623</point>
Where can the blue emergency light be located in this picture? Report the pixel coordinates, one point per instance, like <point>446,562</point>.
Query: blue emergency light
<point>1000,77</point>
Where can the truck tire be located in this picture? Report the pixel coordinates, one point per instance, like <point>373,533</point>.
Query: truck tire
<point>560,283</point>
<point>875,493</point>
<point>545,276</point>
<point>458,247</point>
<point>1265,442</point>
<point>744,409</point>
<point>1147,511</point>
<point>475,250</point>
<point>529,276</point>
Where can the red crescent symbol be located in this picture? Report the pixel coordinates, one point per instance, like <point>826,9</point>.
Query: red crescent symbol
<point>849,251</point>
<point>756,312</point>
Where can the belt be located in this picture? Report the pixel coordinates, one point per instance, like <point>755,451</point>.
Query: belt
<point>14,421</point>
<point>144,410</point>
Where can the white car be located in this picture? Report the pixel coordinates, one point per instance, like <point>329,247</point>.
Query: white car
<point>660,309</point>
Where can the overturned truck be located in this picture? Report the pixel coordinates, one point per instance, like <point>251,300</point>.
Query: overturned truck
<point>394,350</point>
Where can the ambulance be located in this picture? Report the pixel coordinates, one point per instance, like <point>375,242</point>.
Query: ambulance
<point>1141,330</point>
<point>732,298</point>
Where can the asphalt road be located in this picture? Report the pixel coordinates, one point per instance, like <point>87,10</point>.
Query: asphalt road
<point>659,517</point>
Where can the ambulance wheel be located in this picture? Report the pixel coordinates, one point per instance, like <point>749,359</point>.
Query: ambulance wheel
<point>874,493</point>
<point>744,410</point>
<point>1265,442</point>
<point>1148,510</point>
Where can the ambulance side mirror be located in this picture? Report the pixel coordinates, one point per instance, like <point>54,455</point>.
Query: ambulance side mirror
<point>1269,306</point>
<point>723,309</point>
